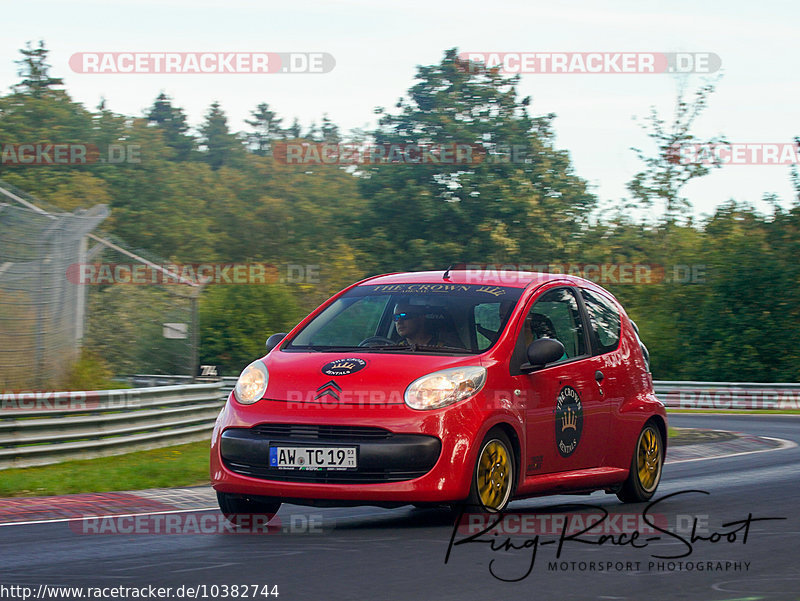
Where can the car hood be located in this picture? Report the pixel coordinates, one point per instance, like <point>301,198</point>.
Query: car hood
<point>357,378</point>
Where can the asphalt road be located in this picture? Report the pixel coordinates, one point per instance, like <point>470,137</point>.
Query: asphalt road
<point>371,553</point>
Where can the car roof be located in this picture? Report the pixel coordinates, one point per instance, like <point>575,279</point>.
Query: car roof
<point>484,277</point>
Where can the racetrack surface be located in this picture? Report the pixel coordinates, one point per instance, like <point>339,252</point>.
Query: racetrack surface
<point>386,554</point>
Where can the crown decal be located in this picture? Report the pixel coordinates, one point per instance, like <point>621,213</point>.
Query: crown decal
<point>343,365</point>
<point>570,420</point>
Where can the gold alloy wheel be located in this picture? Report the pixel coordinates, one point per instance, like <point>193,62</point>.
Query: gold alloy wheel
<point>648,459</point>
<point>494,475</point>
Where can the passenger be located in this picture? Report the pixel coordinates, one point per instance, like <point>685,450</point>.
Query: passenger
<point>503,311</point>
<point>542,327</point>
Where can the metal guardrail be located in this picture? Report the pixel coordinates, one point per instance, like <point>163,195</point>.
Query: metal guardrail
<point>228,384</point>
<point>728,396</point>
<point>140,380</point>
<point>43,428</point>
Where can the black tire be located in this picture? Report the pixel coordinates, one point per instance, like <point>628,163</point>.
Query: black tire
<point>646,466</point>
<point>233,505</point>
<point>494,476</point>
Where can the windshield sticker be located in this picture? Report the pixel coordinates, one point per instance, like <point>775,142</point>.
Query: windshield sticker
<point>343,367</point>
<point>438,288</point>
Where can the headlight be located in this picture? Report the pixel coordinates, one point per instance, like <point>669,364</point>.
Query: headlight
<point>445,387</point>
<point>252,383</point>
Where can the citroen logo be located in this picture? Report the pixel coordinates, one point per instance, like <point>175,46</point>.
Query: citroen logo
<point>330,388</point>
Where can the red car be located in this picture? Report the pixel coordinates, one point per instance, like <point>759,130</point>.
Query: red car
<point>444,388</point>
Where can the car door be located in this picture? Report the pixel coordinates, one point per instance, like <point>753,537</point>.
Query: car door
<point>566,420</point>
<point>612,361</point>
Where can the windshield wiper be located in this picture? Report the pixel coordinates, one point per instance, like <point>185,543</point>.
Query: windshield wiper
<point>417,347</point>
<point>424,347</point>
<point>312,347</point>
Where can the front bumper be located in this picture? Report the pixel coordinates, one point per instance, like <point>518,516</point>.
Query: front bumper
<point>382,455</point>
<point>404,456</point>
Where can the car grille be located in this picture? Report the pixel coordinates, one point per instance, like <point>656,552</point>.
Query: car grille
<point>324,477</point>
<point>313,432</point>
<point>384,456</point>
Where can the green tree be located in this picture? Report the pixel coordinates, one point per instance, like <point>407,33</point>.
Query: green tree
<point>294,130</point>
<point>313,133</point>
<point>746,328</point>
<point>35,71</point>
<point>235,321</point>
<point>665,171</point>
<point>266,129</point>
<point>330,131</point>
<point>220,146</point>
<point>520,201</point>
<point>172,121</point>
<point>795,174</point>
<point>36,112</point>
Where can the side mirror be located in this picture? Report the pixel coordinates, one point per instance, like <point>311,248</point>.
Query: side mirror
<point>274,341</point>
<point>541,352</point>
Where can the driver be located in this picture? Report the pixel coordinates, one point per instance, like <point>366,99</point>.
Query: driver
<point>415,329</point>
<point>411,324</point>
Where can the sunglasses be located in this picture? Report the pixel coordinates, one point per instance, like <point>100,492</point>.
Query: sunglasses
<point>405,315</point>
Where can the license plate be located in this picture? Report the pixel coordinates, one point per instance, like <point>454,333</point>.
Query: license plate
<point>313,458</point>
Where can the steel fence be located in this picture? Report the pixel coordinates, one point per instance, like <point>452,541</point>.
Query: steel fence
<point>728,396</point>
<point>41,428</point>
<point>41,313</point>
<point>51,315</point>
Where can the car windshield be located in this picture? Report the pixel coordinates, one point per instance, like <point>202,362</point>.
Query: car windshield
<point>440,318</point>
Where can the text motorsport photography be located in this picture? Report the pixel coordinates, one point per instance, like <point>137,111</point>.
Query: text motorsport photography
<point>514,540</point>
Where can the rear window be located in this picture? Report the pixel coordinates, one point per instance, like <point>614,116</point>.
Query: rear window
<point>605,320</point>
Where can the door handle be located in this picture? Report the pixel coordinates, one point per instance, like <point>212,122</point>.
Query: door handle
<point>598,376</point>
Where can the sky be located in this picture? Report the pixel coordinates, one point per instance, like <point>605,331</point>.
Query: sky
<point>377,47</point>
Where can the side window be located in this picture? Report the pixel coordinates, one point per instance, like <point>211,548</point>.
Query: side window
<point>556,315</point>
<point>605,320</point>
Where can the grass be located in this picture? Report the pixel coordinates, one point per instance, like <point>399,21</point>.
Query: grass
<point>687,436</point>
<point>181,465</point>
